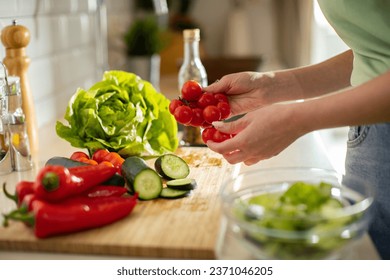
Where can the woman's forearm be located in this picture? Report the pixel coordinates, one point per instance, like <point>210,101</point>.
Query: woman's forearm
<point>365,104</point>
<point>314,80</point>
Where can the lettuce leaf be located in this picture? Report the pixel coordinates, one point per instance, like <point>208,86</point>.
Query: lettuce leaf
<point>121,113</point>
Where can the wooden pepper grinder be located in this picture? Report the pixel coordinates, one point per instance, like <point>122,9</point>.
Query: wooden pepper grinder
<point>15,39</point>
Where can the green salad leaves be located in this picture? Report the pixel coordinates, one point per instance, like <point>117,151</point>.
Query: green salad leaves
<point>303,222</point>
<point>121,113</point>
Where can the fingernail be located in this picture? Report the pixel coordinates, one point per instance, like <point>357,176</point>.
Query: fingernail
<point>217,124</point>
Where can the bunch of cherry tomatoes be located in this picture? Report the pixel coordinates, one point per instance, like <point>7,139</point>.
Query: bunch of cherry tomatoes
<point>200,109</point>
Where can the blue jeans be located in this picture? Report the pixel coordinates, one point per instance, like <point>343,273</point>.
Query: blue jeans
<point>368,157</point>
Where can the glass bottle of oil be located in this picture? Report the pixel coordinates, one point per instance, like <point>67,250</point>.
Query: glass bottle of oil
<point>192,69</point>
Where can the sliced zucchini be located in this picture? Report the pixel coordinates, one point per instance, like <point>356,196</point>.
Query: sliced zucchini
<point>65,162</point>
<point>141,178</point>
<point>173,194</point>
<point>171,166</point>
<point>182,184</point>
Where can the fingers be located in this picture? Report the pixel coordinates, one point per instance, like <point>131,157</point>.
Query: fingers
<point>222,85</point>
<point>232,127</point>
<point>217,86</point>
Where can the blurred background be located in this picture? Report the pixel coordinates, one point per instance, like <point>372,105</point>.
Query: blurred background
<point>74,41</point>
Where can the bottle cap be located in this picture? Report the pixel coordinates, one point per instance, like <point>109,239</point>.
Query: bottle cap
<point>191,34</point>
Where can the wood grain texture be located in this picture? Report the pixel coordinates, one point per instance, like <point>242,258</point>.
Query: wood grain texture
<point>181,228</point>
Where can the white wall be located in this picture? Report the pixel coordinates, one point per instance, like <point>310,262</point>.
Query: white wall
<point>215,18</point>
<point>67,48</point>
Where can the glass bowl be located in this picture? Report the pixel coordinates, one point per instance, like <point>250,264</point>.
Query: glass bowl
<point>296,213</point>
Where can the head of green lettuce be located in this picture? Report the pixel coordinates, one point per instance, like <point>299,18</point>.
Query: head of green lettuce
<point>121,113</point>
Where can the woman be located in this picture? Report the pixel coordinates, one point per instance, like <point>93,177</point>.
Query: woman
<point>350,89</point>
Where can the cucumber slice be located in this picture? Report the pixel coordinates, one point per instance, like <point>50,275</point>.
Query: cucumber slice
<point>171,166</point>
<point>182,184</point>
<point>173,194</point>
<point>141,178</point>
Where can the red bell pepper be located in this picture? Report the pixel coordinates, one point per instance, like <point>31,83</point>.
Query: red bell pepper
<point>74,214</point>
<point>55,183</point>
<point>100,191</point>
<point>22,188</point>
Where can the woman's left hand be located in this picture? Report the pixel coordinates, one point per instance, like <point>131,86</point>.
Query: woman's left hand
<point>260,134</point>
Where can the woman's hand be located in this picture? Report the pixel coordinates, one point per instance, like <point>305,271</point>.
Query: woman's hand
<point>261,134</point>
<point>245,90</point>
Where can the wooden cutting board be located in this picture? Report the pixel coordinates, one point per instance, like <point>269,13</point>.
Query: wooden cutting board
<point>181,228</point>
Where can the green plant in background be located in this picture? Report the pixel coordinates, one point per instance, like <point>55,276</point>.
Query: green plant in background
<point>144,37</point>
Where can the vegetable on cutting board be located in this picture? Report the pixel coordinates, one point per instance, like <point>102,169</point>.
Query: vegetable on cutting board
<point>72,215</point>
<point>171,166</point>
<point>173,193</point>
<point>185,184</point>
<point>121,113</point>
<point>116,179</point>
<point>141,178</point>
<point>55,182</point>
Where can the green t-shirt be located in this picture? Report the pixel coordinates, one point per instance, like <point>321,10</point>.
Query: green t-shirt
<point>364,25</point>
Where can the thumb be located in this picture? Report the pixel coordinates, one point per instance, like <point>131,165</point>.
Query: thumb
<point>231,127</point>
<point>217,86</point>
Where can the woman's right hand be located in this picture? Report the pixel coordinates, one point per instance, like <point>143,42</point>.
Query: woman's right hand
<point>246,91</point>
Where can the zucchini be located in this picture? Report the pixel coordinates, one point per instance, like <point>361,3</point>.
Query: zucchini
<point>173,194</point>
<point>65,162</point>
<point>171,166</point>
<point>185,184</point>
<point>115,180</point>
<point>141,178</point>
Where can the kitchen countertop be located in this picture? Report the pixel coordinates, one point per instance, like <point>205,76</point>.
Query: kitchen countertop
<point>307,151</point>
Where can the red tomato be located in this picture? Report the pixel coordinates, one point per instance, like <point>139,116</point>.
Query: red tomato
<point>206,99</point>
<point>220,97</point>
<point>183,115</point>
<point>197,117</point>
<point>88,161</point>
<point>174,104</point>
<point>191,90</point>
<point>224,107</point>
<point>206,124</point>
<point>99,155</point>
<point>79,155</point>
<point>208,133</point>
<point>211,113</point>
<point>220,136</point>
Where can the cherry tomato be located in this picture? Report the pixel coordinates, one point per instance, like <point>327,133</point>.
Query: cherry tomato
<point>197,117</point>
<point>220,97</point>
<point>191,90</point>
<point>192,104</point>
<point>208,133</point>
<point>206,124</point>
<point>224,107</point>
<point>88,161</point>
<point>99,155</point>
<point>211,113</point>
<point>174,104</point>
<point>116,159</point>
<point>183,115</point>
<point>77,156</point>
<point>219,136</point>
<point>206,99</point>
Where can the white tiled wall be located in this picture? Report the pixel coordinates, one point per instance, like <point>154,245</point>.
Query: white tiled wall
<point>68,47</point>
